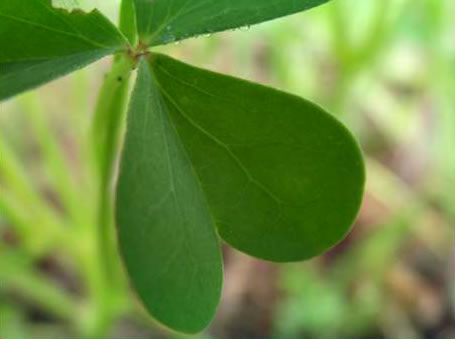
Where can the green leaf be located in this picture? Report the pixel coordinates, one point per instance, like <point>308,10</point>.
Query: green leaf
<point>283,178</point>
<point>164,21</point>
<point>165,230</point>
<point>127,22</point>
<point>40,43</point>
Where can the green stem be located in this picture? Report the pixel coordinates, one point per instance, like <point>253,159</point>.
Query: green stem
<point>105,136</point>
<point>13,175</point>
<point>341,40</point>
<point>18,274</point>
<point>21,219</point>
<point>58,169</point>
<point>107,126</point>
<point>106,133</point>
<point>342,47</point>
<point>109,114</point>
<point>16,192</point>
<point>376,38</point>
<point>351,61</point>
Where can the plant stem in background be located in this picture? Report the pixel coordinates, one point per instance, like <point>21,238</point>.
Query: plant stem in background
<point>17,271</point>
<point>108,120</point>
<point>351,59</point>
<point>107,127</point>
<point>106,135</point>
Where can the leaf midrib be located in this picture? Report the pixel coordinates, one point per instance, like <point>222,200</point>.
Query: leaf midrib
<point>56,57</point>
<point>172,191</point>
<point>218,142</point>
<point>50,29</point>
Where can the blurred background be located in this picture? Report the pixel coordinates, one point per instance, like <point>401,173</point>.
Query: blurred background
<point>385,68</point>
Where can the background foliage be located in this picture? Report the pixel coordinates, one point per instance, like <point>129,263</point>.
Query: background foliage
<point>384,67</point>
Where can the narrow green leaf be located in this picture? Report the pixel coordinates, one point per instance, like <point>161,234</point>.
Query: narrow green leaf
<point>164,21</point>
<point>127,22</point>
<point>40,43</point>
<point>165,230</point>
<point>283,178</point>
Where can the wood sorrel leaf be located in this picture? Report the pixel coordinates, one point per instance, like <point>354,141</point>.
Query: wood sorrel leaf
<point>164,21</point>
<point>41,43</point>
<point>165,230</point>
<point>283,179</point>
<point>279,177</point>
